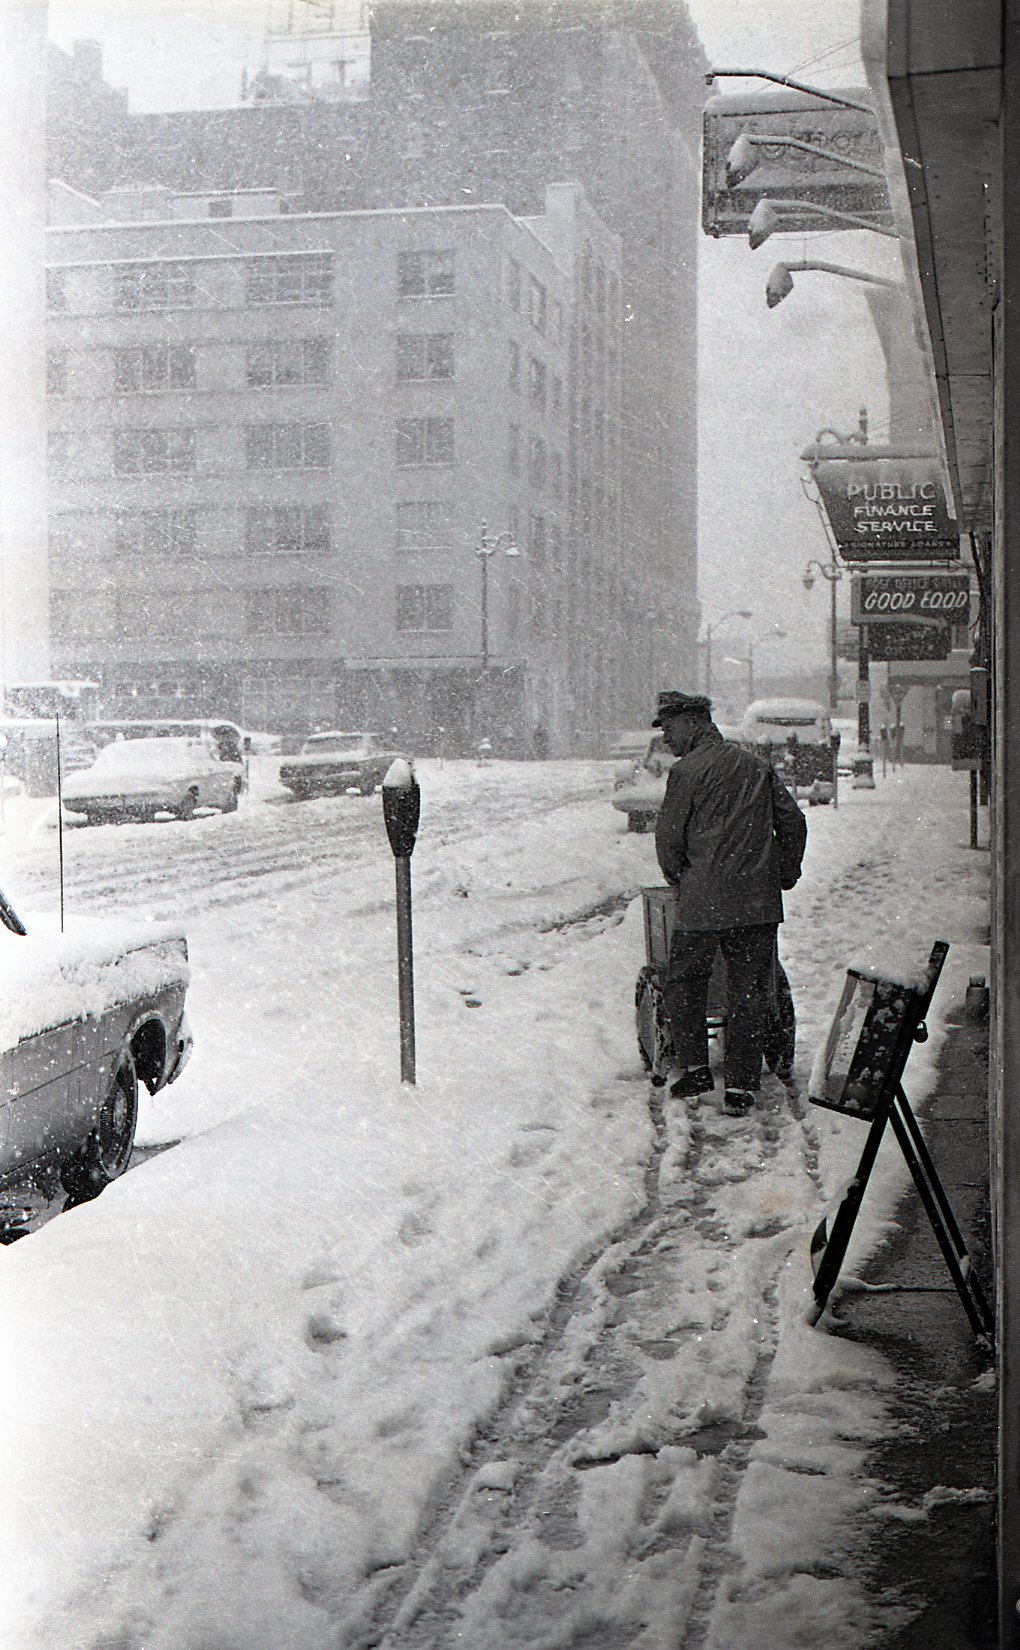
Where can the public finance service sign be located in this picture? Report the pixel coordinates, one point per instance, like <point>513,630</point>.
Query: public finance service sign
<point>885,507</point>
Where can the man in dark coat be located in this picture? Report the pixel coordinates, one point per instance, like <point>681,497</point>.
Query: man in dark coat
<point>729,837</point>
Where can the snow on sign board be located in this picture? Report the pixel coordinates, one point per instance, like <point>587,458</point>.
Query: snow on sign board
<point>855,1064</point>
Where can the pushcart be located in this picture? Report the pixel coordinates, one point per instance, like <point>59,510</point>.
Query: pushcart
<point>654,1035</point>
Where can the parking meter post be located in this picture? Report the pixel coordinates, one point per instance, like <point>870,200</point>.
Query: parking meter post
<point>405,969</point>
<point>401,798</point>
<point>834,744</point>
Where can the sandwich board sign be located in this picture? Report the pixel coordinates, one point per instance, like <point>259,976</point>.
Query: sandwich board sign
<point>858,1072</point>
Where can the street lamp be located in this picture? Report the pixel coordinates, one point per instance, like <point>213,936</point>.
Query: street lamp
<point>485,549</point>
<point>776,636</point>
<point>780,283</point>
<point>742,159</point>
<point>832,574</point>
<point>710,630</point>
<point>766,219</point>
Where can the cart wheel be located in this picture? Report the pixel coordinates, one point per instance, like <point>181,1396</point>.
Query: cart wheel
<point>655,1038</point>
<point>781,1031</point>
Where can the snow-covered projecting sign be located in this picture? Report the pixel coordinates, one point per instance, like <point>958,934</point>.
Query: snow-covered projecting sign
<point>886,508</point>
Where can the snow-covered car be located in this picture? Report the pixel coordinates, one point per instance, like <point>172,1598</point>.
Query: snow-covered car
<point>86,1013</point>
<point>334,762</point>
<point>795,736</point>
<point>639,789</point>
<point>140,778</point>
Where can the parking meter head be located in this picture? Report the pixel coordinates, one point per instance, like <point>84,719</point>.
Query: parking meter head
<point>401,799</point>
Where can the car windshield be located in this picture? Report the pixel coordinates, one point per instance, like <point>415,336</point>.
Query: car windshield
<point>344,744</point>
<point>149,755</point>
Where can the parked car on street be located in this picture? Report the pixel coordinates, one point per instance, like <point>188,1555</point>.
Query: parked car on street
<point>795,736</point>
<point>85,1014</point>
<point>640,786</point>
<point>334,762</point>
<point>137,779</point>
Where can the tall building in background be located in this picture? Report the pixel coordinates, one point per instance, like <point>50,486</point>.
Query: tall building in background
<point>23,571</point>
<point>518,112</point>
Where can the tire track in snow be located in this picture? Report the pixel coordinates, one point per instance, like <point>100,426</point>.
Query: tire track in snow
<point>565,1415</point>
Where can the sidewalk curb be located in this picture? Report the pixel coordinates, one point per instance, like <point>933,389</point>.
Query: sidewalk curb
<point>935,1550</point>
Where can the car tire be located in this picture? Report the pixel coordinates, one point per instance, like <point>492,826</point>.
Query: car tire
<point>188,805</point>
<point>230,805</point>
<point>107,1151</point>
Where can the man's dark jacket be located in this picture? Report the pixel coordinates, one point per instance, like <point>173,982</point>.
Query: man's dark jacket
<point>729,835</point>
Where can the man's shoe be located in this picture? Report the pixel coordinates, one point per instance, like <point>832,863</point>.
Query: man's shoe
<point>738,1102</point>
<point>695,1080</point>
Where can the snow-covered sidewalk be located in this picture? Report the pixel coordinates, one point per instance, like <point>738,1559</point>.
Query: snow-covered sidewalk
<point>513,1356</point>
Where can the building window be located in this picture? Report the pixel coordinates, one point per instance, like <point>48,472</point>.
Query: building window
<point>56,372</point>
<point>56,289</point>
<point>424,355</point>
<point>513,451</point>
<point>287,446</point>
<point>288,361</point>
<point>425,607</point>
<point>515,368</point>
<point>168,285</point>
<point>536,463</point>
<point>557,321</point>
<point>150,452</point>
<point>305,279</point>
<point>154,367</point>
<point>424,441</point>
<point>556,396</point>
<point>424,525</point>
<point>536,383</point>
<point>289,610</point>
<point>221,209</point>
<point>287,530</point>
<point>425,274</point>
<point>513,283</point>
<point>536,541</point>
<point>58,449</point>
<point>536,304</point>
<point>556,471</point>
<point>156,533</point>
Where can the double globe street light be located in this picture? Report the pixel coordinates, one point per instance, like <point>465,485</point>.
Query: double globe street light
<point>487,546</point>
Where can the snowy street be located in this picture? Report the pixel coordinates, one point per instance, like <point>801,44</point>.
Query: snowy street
<point>513,1357</point>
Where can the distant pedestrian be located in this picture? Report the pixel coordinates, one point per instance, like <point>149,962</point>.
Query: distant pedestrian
<point>729,837</point>
<point>540,742</point>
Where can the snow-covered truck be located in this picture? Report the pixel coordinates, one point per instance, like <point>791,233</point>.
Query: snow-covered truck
<point>86,1013</point>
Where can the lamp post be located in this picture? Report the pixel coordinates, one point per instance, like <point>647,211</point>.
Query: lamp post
<point>774,636</point>
<point>710,630</point>
<point>832,574</point>
<point>485,549</point>
<point>780,283</point>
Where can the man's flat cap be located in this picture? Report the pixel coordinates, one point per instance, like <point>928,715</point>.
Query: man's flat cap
<point>674,703</point>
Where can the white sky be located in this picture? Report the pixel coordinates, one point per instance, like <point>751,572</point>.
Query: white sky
<point>768,380</point>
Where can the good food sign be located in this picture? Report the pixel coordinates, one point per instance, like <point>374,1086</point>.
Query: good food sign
<point>884,505</point>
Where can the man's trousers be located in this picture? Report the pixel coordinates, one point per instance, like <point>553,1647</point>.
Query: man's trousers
<point>748,954</point>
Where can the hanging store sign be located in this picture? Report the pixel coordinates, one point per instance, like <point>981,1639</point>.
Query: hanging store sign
<point>930,597</point>
<point>912,640</point>
<point>785,172</point>
<point>884,504</point>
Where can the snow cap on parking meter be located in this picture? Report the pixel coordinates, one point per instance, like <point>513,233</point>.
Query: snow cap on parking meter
<point>401,800</point>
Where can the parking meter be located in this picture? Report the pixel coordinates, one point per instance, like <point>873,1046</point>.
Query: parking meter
<point>401,798</point>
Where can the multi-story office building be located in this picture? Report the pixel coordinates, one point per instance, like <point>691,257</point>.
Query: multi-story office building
<point>275,438</point>
<point>488,106</point>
